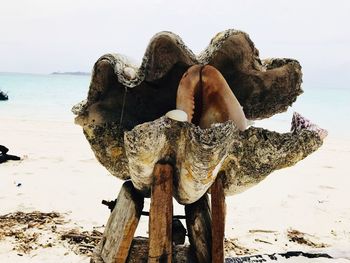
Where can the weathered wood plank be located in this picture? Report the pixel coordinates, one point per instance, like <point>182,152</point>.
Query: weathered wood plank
<point>161,212</point>
<point>121,225</point>
<point>218,210</point>
<point>198,221</point>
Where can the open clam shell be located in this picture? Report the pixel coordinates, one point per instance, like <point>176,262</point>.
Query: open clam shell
<point>123,116</point>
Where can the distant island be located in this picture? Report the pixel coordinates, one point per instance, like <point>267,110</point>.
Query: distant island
<point>79,73</point>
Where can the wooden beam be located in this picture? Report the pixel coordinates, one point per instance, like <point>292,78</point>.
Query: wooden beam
<point>161,212</point>
<point>198,221</point>
<point>218,210</point>
<point>121,225</point>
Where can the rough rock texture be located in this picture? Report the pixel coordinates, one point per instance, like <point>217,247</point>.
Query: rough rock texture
<point>199,154</point>
<point>257,152</point>
<point>122,116</point>
<point>107,142</point>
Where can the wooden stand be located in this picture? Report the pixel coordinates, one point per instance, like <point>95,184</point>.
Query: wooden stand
<point>218,212</point>
<point>161,215</point>
<point>198,222</point>
<point>205,226</point>
<point>121,225</point>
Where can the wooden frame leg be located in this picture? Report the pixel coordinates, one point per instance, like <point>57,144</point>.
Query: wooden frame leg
<point>121,225</point>
<point>218,210</point>
<point>161,215</point>
<point>198,222</point>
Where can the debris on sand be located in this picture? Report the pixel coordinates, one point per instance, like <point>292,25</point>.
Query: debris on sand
<point>232,245</point>
<point>33,230</point>
<point>82,242</point>
<point>29,231</point>
<point>304,239</point>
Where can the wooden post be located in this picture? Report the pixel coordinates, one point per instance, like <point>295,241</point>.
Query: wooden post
<point>218,210</point>
<point>121,225</point>
<point>161,213</point>
<point>198,221</point>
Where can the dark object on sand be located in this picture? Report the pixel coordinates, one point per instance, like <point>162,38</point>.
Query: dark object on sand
<point>109,204</point>
<point>3,149</point>
<point>5,157</point>
<point>3,96</point>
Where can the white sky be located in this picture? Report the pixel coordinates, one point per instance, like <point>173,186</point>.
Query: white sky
<point>41,36</point>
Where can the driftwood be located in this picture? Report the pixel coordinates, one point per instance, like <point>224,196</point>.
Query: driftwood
<point>121,226</point>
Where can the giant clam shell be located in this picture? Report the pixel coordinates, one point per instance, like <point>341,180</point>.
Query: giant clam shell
<point>123,116</point>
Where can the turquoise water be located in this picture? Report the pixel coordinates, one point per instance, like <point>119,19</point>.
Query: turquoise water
<point>327,107</point>
<point>41,97</point>
<point>51,97</point>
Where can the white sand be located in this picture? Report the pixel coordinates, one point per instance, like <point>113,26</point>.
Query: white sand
<point>59,173</point>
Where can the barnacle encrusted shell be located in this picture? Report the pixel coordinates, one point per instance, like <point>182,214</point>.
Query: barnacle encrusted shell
<point>123,116</point>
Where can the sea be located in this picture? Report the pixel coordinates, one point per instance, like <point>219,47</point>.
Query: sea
<point>51,97</point>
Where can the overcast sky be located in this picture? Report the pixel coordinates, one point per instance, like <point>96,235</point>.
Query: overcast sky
<point>41,36</point>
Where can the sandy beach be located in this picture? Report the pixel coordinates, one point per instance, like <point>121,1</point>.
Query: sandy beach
<point>134,61</point>
<point>302,208</point>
